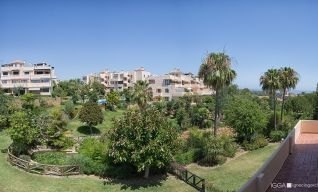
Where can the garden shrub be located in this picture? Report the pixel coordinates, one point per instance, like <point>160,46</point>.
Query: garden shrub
<point>213,151</point>
<point>195,139</point>
<point>188,157</point>
<point>257,142</point>
<point>87,165</point>
<point>229,146</point>
<point>62,143</point>
<point>69,109</point>
<point>211,160</point>
<point>277,135</point>
<point>3,121</point>
<point>52,158</point>
<point>94,149</point>
<point>18,148</point>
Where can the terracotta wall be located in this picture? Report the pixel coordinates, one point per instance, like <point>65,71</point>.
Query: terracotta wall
<point>266,174</point>
<point>309,126</point>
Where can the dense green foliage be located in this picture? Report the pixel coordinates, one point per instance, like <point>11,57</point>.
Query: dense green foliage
<point>69,109</point>
<point>91,114</point>
<point>246,117</point>
<point>52,158</point>
<point>143,139</point>
<point>112,99</point>
<point>4,110</point>
<point>22,129</point>
<point>277,135</point>
<point>94,149</point>
<point>256,142</point>
<point>205,149</point>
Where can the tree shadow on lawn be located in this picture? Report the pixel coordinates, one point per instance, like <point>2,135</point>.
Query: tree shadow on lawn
<point>84,129</point>
<point>138,183</point>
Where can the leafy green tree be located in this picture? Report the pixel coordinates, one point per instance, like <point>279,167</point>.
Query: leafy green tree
<point>58,91</point>
<point>112,98</point>
<point>127,94</point>
<point>91,114</point>
<point>4,110</point>
<point>83,92</point>
<point>217,74</point>
<point>141,94</point>
<point>182,118</point>
<point>69,109</point>
<point>92,96</point>
<point>28,101</point>
<point>200,116</point>
<point>288,80</point>
<point>246,117</point>
<point>98,88</point>
<point>22,129</point>
<point>270,83</point>
<point>143,139</point>
<point>301,106</point>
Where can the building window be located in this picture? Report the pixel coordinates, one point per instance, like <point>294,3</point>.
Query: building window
<point>45,80</point>
<point>158,90</point>
<point>35,81</point>
<point>166,98</point>
<point>15,73</point>
<point>26,73</point>
<point>4,81</point>
<point>45,90</point>
<point>152,81</point>
<point>166,90</point>
<point>4,73</point>
<point>166,82</point>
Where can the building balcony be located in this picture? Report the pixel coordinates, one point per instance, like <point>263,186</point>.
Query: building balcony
<point>294,162</point>
<point>26,85</point>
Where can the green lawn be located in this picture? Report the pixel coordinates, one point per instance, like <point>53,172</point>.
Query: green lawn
<point>76,128</point>
<point>13,179</point>
<point>233,174</point>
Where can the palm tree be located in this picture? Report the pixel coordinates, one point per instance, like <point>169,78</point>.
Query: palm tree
<point>141,94</point>
<point>270,83</point>
<point>216,73</point>
<point>288,79</point>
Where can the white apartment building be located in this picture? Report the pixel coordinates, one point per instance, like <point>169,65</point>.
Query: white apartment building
<point>37,78</point>
<point>118,80</point>
<point>176,84</point>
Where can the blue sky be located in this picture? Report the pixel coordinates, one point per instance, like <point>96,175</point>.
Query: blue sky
<point>80,37</point>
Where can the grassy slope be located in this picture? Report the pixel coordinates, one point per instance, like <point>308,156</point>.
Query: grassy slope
<point>233,174</point>
<point>107,123</point>
<point>13,179</point>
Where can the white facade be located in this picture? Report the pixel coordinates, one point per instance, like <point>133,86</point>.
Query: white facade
<point>176,84</point>
<point>118,80</point>
<point>36,78</point>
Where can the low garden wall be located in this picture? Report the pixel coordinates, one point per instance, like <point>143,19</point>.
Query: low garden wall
<point>43,169</point>
<point>267,173</point>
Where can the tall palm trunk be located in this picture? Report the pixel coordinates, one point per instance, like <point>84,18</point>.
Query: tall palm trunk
<point>282,108</point>
<point>274,96</point>
<point>216,111</point>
